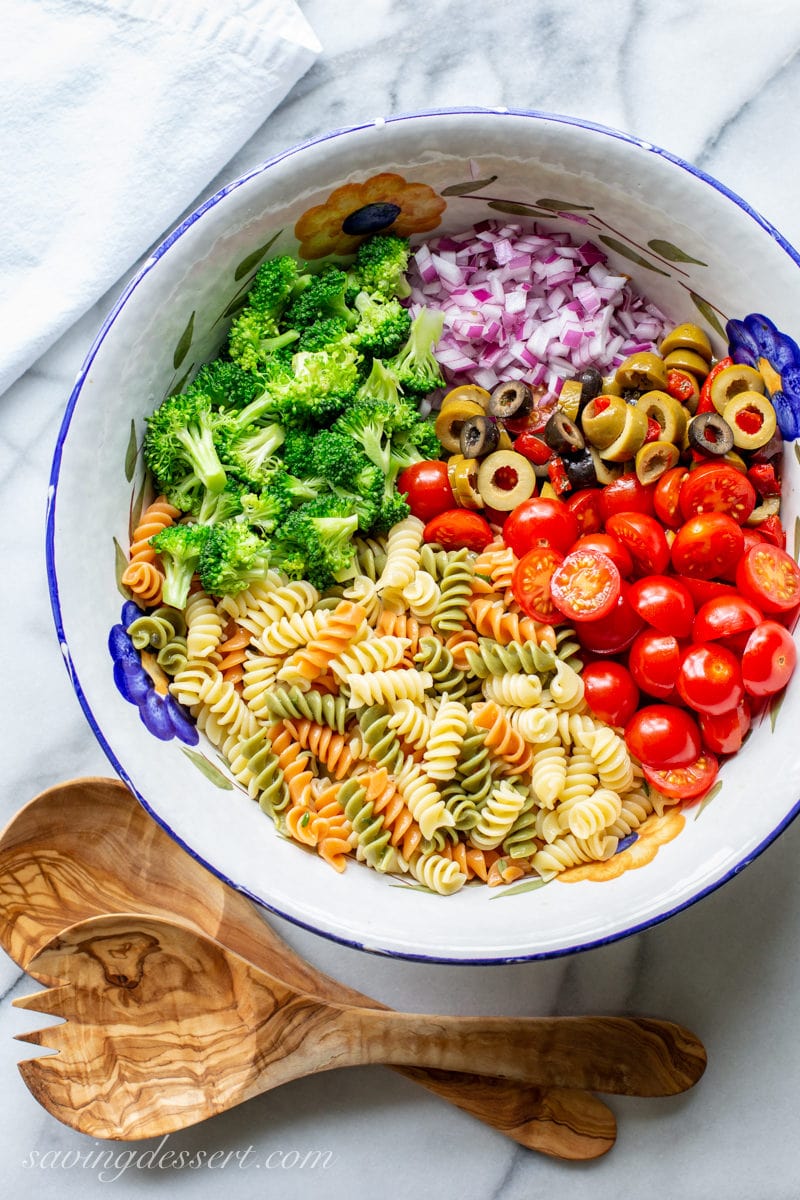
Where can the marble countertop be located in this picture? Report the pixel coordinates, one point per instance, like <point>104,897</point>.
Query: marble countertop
<point>719,84</point>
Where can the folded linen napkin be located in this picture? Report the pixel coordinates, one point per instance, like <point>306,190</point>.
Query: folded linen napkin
<point>115,115</point>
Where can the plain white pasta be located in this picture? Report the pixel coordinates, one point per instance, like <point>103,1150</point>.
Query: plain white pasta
<point>570,851</point>
<point>411,723</point>
<point>254,598</point>
<point>283,601</point>
<point>422,799</point>
<point>440,874</point>
<point>372,654</point>
<point>446,738</point>
<point>518,690</point>
<point>574,728</point>
<point>364,591</point>
<point>594,815</point>
<point>497,816</point>
<point>422,595</point>
<point>402,554</point>
<point>534,724</point>
<point>218,708</point>
<point>287,633</point>
<point>635,807</point>
<point>204,626</point>
<point>566,687</point>
<point>548,772</point>
<point>260,675</point>
<point>613,760</point>
<point>386,687</point>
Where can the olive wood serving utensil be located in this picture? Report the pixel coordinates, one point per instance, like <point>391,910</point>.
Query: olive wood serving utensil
<point>164,1027</point>
<point>87,847</point>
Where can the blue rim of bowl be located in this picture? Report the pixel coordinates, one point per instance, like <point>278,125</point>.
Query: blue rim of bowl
<point>130,288</point>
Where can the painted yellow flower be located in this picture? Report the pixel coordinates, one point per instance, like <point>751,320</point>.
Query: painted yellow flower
<point>386,203</point>
<point>652,834</point>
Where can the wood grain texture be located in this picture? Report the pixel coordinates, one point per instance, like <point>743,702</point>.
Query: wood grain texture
<point>164,1027</point>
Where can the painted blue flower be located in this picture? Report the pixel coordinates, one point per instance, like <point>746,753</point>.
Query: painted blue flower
<point>160,712</point>
<point>756,342</point>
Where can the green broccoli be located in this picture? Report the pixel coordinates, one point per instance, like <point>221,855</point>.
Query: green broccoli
<point>372,424</point>
<point>381,264</point>
<point>324,296</point>
<point>180,548</point>
<point>282,492</point>
<point>338,459</point>
<point>379,384</point>
<point>250,346</point>
<point>226,384</point>
<point>247,453</point>
<point>393,508</point>
<point>324,333</point>
<point>256,333</point>
<point>322,531</point>
<point>324,383</point>
<point>383,325</point>
<point>415,444</point>
<point>414,366</point>
<point>213,507</point>
<point>233,557</point>
<point>179,442</point>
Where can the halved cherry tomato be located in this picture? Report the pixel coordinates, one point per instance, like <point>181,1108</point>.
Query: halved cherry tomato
<point>769,577</point>
<point>530,583</point>
<point>627,494</point>
<point>428,489</point>
<point>457,529</point>
<point>604,543</point>
<point>586,507</point>
<point>585,586</point>
<point>665,603</point>
<point>708,545</point>
<point>724,733</point>
<point>540,521</point>
<point>615,632</point>
<point>662,735</point>
<point>717,487</point>
<point>769,658</point>
<point>771,530</point>
<point>644,537</point>
<point>653,661</point>
<point>610,692</point>
<point>666,497</point>
<point>724,616</point>
<point>532,422</point>
<point>710,678</point>
<point>685,783</point>
<point>705,589</point>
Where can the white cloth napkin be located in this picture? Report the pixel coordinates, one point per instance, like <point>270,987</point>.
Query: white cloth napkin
<point>114,115</point>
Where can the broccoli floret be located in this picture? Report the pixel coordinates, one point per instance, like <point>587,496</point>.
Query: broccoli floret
<point>214,507</point>
<point>226,384</point>
<point>372,423</point>
<point>180,548</point>
<point>379,384</point>
<point>382,262</point>
<point>233,557</point>
<point>415,444</point>
<point>393,508</point>
<point>282,492</point>
<point>415,367</point>
<point>383,325</point>
<point>253,339</point>
<point>275,283</point>
<point>256,333</point>
<point>324,333</point>
<point>324,382</point>
<point>179,442</point>
<point>324,296</point>
<point>297,450</point>
<point>248,453</point>
<point>337,458</point>
<point>322,531</point>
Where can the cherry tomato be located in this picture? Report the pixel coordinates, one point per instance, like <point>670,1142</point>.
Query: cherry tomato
<point>615,632</point>
<point>610,692</point>
<point>710,678</point>
<point>604,543</point>
<point>751,538</point>
<point>662,735</point>
<point>653,661</point>
<point>724,616</point>
<point>717,487</point>
<point>540,521</point>
<point>664,602</point>
<point>644,538</point>
<point>585,586</point>
<point>533,447</point>
<point>427,488</point>
<point>771,530</point>
<point>586,507</point>
<point>627,494</point>
<point>530,583</point>
<point>532,422</point>
<point>708,545</point>
<point>705,589</point>
<point>705,403</point>
<point>724,733</point>
<point>769,577</point>
<point>666,497</point>
<point>685,783</point>
<point>769,659</point>
<point>459,529</point>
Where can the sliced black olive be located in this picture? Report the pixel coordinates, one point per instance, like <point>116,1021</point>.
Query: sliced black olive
<point>631,395</point>
<point>580,469</point>
<point>562,434</point>
<point>479,436</point>
<point>710,434</point>
<point>511,399</point>
<point>591,382</point>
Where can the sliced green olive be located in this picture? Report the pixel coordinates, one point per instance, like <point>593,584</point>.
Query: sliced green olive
<point>687,360</point>
<point>653,459</point>
<point>733,380</point>
<point>511,399</point>
<point>770,506</point>
<point>752,419</point>
<point>605,472</point>
<point>642,371</point>
<point>610,386</point>
<point>631,437</point>
<point>462,474</point>
<point>468,391</point>
<point>710,434</point>
<point>450,421</point>
<point>562,434</point>
<point>602,420</point>
<point>687,337</point>
<point>505,479</point>
<point>569,398</point>
<point>667,411</point>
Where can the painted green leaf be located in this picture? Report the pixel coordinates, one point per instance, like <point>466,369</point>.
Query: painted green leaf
<point>710,795</point>
<point>629,253</point>
<point>673,253</point>
<point>516,210</point>
<point>531,885</point>
<point>236,305</point>
<point>130,454</point>
<point>564,206</point>
<point>137,504</point>
<point>414,887</point>
<point>797,451</point>
<point>180,384</point>
<point>796,535</point>
<point>708,312</point>
<point>212,773</point>
<point>253,259</point>
<point>464,189</point>
<point>774,708</point>
<point>184,342</point>
<point>120,563</point>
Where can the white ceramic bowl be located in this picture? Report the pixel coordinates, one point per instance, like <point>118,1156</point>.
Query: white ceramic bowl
<point>697,250</point>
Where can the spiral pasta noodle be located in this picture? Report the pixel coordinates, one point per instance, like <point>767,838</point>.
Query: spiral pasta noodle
<point>445,741</point>
<point>288,703</point>
<point>314,659</point>
<point>438,873</point>
<point>411,723</point>
<point>387,687</point>
<point>332,750</point>
<point>378,738</point>
<point>455,591</point>
<point>203,625</point>
<point>502,739</point>
<point>519,690</point>
<point>422,798</point>
<point>491,619</point>
<point>402,554</point>
<point>422,596</point>
<point>154,630</point>
<point>233,652</point>
<point>334,831</point>
<point>373,838</point>
<point>489,658</point>
<point>142,576</point>
<point>373,654</point>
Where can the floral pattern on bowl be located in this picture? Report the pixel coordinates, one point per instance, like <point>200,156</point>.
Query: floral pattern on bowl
<point>756,342</point>
<point>141,682</point>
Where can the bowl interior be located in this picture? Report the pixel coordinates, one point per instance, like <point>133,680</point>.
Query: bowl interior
<point>687,243</point>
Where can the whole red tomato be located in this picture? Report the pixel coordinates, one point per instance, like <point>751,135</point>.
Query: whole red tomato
<point>710,678</point>
<point>540,521</point>
<point>610,691</point>
<point>653,661</point>
<point>662,735</point>
<point>615,632</point>
<point>664,602</point>
<point>458,529</point>
<point>708,545</point>
<point>627,494</point>
<point>428,489</point>
<point>769,659</point>
<point>724,733</point>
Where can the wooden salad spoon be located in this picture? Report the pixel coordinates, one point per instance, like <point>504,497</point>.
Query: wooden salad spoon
<point>164,1027</point>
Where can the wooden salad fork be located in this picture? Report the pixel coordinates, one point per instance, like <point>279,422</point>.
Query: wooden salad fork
<point>164,1027</point>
